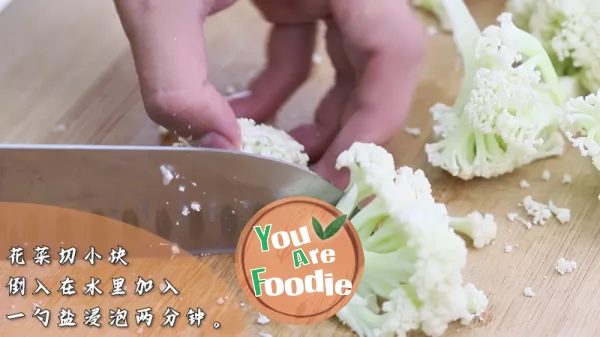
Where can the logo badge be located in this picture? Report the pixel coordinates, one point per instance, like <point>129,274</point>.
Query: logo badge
<point>299,260</point>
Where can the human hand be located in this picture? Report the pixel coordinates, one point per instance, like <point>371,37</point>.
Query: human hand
<point>375,48</point>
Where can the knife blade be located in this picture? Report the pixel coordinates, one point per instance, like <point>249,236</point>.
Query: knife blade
<point>203,209</point>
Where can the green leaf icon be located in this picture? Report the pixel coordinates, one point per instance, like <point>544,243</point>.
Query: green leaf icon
<point>317,227</point>
<point>334,227</point>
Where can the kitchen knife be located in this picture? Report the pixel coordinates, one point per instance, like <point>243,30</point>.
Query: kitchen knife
<point>203,208</point>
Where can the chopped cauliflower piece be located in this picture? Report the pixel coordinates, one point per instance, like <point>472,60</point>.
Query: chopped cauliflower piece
<point>508,248</point>
<point>264,334</point>
<point>508,110</point>
<point>480,228</point>
<point>563,215</point>
<point>512,216</point>
<point>413,131</point>
<point>538,211</point>
<point>546,175</point>
<point>524,184</point>
<point>567,179</point>
<point>267,141</point>
<point>528,292</point>
<point>564,266</point>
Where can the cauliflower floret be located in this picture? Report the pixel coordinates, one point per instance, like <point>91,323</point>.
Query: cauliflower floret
<point>480,228</point>
<point>569,33</point>
<point>563,215</point>
<point>582,125</point>
<point>265,140</point>
<point>507,113</point>
<point>413,258</point>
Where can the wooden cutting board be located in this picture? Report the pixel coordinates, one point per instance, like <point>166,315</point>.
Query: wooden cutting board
<point>66,76</point>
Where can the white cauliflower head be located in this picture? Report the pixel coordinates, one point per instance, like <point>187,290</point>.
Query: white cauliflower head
<point>582,125</point>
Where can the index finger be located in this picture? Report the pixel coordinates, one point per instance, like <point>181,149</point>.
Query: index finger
<point>386,41</point>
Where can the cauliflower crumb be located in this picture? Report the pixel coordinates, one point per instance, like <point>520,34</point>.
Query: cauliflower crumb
<point>546,175</point>
<point>167,173</point>
<point>432,30</point>
<point>481,228</point>
<point>563,215</point>
<point>181,188</point>
<point>262,319</point>
<point>512,216</point>
<point>528,292</point>
<point>174,251</point>
<point>264,334</point>
<point>239,95</point>
<point>508,248</point>
<point>196,206</point>
<point>242,304</point>
<point>413,131</point>
<point>524,184</point>
<point>185,211</point>
<point>538,211</point>
<point>564,266</point>
<point>317,59</point>
<point>567,179</point>
<point>220,300</point>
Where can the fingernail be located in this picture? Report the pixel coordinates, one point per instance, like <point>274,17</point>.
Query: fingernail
<point>215,140</point>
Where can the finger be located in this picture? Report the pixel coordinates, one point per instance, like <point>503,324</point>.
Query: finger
<point>289,61</point>
<point>166,41</point>
<point>317,136</point>
<point>385,39</point>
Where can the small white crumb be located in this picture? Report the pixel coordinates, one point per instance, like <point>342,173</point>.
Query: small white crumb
<point>524,184</point>
<point>508,248</point>
<point>220,300</point>
<point>181,188</point>
<point>567,179</point>
<point>242,304</point>
<point>167,173</point>
<point>196,206</point>
<point>174,250</point>
<point>194,184</point>
<point>432,30</point>
<point>538,211</point>
<point>564,266</point>
<point>545,277</point>
<point>512,216</point>
<point>185,211</point>
<point>264,334</point>
<point>230,89</point>
<point>162,287</point>
<point>238,95</point>
<point>413,131</point>
<point>563,215</point>
<point>60,128</point>
<point>317,59</point>
<point>528,292</point>
<point>262,319</point>
<point>546,175</point>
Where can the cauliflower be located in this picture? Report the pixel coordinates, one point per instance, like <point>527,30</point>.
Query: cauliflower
<point>436,8</point>
<point>582,125</point>
<point>508,110</point>
<point>480,228</point>
<point>568,30</point>
<point>413,257</point>
<point>263,140</point>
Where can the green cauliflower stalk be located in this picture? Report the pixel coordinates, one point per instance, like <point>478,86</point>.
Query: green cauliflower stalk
<point>413,256</point>
<point>508,110</point>
<point>436,8</point>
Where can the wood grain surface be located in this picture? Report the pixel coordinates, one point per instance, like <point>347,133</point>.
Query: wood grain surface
<point>66,76</point>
